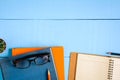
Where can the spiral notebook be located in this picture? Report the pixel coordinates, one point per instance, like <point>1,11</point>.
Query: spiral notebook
<point>93,67</point>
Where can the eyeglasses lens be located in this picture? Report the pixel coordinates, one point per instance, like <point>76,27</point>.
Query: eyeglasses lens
<point>22,64</point>
<point>41,60</point>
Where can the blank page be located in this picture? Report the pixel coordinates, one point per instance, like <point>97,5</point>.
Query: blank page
<point>116,69</point>
<point>92,67</point>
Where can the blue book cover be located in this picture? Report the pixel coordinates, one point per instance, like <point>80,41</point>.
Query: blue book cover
<point>31,66</point>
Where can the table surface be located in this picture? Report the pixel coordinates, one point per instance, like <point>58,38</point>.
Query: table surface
<point>45,23</point>
<point>75,39</point>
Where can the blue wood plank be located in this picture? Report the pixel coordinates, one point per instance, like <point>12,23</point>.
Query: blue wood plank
<point>66,68</point>
<point>81,36</point>
<point>59,9</point>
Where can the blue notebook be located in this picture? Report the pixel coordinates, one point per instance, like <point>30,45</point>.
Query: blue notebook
<point>30,66</point>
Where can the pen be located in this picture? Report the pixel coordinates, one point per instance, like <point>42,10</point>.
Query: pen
<point>49,76</point>
<point>113,53</point>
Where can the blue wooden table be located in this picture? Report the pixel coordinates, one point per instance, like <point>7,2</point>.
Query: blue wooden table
<point>29,23</point>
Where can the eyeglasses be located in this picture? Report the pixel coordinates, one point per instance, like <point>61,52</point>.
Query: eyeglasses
<point>26,62</point>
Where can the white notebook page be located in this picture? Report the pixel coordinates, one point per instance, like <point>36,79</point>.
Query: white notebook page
<point>91,67</point>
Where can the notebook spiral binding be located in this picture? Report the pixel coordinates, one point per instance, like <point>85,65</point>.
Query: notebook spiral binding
<point>110,69</point>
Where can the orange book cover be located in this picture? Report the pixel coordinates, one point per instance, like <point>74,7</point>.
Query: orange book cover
<point>58,55</point>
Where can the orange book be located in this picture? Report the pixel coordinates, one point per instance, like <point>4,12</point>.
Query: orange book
<point>58,55</point>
